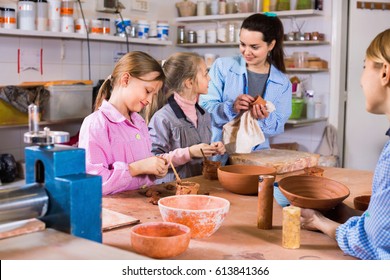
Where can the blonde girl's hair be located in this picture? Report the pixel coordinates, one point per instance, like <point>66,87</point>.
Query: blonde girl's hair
<point>137,64</point>
<point>379,49</point>
<point>178,68</point>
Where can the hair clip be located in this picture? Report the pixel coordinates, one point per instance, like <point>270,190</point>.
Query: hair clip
<point>268,14</point>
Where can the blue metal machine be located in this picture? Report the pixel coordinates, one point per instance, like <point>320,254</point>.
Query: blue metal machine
<point>58,191</point>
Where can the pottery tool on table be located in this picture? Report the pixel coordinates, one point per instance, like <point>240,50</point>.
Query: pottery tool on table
<point>174,171</point>
<point>57,186</point>
<point>204,156</point>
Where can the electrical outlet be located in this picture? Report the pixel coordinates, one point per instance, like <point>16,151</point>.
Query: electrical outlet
<point>140,5</point>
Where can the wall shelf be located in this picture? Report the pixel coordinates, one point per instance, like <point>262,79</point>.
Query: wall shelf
<point>305,70</point>
<point>241,16</point>
<point>77,36</point>
<point>43,123</point>
<point>305,43</point>
<point>304,122</point>
<point>208,45</point>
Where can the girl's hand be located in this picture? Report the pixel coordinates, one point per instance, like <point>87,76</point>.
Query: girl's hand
<point>157,166</point>
<point>220,148</point>
<point>208,150</point>
<point>243,103</point>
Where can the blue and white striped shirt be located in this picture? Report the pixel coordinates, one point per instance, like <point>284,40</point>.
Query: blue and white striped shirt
<point>228,76</point>
<point>368,236</point>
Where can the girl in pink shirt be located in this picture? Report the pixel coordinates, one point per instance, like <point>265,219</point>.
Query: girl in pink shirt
<point>115,136</point>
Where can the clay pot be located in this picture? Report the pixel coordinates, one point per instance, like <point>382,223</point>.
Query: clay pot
<point>361,202</point>
<point>159,239</point>
<point>314,171</point>
<point>203,214</point>
<point>242,179</point>
<point>210,169</point>
<point>313,192</point>
<point>187,187</point>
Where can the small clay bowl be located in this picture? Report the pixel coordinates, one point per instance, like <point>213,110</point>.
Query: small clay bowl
<point>203,214</point>
<point>210,169</point>
<point>314,171</point>
<point>313,192</point>
<point>160,240</point>
<point>361,202</point>
<point>243,179</point>
<point>187,187</point>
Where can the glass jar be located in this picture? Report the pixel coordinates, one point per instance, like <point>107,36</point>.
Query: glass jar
<point>181,37</point>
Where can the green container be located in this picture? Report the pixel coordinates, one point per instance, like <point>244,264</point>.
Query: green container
<point>297,107</point>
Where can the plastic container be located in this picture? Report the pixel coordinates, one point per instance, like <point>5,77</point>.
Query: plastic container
<point>162,30</point>
<point>11,115</point>
<point>310,104</point>
<point>143,29</point>
<point>67,8</point>
<point>122,27</point>
<point>79,26</point>
<point>26,15</point>
<point>96,26</point>
<point>42,15</point>
<point>106,30</point>
<point>54,8</point>
<point>68,102</point>
<point>297,108</point>
<point>67,24</point>
<point>9,18</point>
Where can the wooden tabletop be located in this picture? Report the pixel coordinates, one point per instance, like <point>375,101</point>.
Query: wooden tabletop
<point>238,237</point>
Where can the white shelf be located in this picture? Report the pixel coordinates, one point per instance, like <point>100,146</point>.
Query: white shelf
<point>305,70</point>
<point>241,16</point>
<point>208,45</point>
<point>77,36</point>
<point>43,123</point>
<point>305,43</point>
<point>304,122</point>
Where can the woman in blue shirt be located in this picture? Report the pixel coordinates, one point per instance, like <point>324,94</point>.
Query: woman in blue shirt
<point>259,70</point>
<point>367,236</point>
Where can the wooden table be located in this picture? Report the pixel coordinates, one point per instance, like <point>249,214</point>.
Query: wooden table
<point>238,237</point>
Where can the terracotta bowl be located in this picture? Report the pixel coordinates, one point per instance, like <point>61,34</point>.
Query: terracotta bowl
<point>159,239</point>
<point>203,214</point>
<point>313,192</point>
<point>361,202</point>
<point>243,179</point>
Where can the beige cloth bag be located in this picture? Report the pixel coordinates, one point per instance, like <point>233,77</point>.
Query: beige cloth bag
<point>243,133</point>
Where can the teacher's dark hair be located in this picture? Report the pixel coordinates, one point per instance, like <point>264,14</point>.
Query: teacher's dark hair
<point>272,29</point>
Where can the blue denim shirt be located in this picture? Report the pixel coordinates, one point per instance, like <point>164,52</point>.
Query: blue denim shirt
<point>227,82</point>
<point>368,236</point>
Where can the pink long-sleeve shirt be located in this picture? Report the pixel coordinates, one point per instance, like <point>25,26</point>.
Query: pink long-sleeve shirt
<point>112,142</point>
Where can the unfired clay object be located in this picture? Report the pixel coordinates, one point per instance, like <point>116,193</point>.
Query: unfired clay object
<point>361,202</point>
<point>187,187</point>
<point>259,101</point>
<point>243,179</point>
<point>203,214</point>
<point>210,169</point>
<point>313,192</point>
<point>314,171</point>
<point>159,239</point>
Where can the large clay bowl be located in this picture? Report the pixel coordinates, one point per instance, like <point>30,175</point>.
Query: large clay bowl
<point>361,202</point>
<point>313,192</point>
<point>242,179</point>
<point>159,239</point>
<point>203,214</point>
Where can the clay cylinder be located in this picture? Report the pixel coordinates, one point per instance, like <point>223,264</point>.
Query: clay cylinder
<point>291,238</point>
<point>265,201</point>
